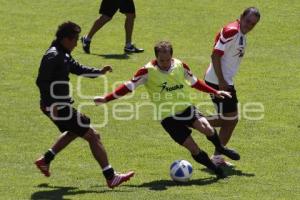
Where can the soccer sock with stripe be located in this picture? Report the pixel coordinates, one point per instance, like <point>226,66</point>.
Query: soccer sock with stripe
<point>49,156</point>
<point>108,172</point>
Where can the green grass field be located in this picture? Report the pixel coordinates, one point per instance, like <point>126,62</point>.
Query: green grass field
<point>269,74</point>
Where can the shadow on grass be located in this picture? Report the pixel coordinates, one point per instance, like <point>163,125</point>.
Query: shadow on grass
<point>230,171</point>
<point>164,184</point>
<point>122,56</point>
<point>59,192</point>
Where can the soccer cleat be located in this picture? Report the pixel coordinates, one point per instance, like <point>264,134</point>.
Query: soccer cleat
<point>218,160</point>
<point>230,153</point>
<point>42,166</point>
<point>85,44</point>
<point>133,49</point>
<point>119,178</point>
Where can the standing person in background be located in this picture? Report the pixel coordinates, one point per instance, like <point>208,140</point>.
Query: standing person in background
<point>108,9</point>
<point>229,48</point>
<point>55,103</point>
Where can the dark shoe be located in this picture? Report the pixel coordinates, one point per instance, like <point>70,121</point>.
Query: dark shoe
<point>85,45</point>
<point>230,153</point>
<point>219,172</point>
<point>133,49</point>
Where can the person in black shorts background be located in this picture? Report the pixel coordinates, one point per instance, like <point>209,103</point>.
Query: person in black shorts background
<point>55,102</point>
<point>107,10</point>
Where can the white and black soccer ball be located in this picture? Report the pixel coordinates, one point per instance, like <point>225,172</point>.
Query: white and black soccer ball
<point>181,170</point>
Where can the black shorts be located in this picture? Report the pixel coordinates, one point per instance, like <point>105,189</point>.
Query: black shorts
<point>110,7</point>
<point>226,105</point>
<point>178,126</point>
<point>69,119</point>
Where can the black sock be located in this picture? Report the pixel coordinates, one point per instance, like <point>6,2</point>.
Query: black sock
<point>109,173</point>
<point>48,156</point>
<point>215,140</point>
<point>216,152</point>
<point>203,159</point>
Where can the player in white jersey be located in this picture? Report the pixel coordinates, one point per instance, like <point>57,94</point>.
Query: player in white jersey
<point>229,48</point>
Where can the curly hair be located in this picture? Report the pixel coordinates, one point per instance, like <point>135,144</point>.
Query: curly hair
<point>67,29</point>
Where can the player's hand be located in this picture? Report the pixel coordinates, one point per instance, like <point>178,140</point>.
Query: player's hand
<point>106,68</point>
<point>223,94</point>
<point>223,85</point>
<point>98,100</point>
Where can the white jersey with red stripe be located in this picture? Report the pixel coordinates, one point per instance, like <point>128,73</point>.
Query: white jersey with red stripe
<point>230,43</point>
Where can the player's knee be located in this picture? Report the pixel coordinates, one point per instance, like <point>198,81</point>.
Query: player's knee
<point>130,16</point>
<point>104,18</point>
<point>92,136</point>
<point>231,122</point>
<point>208,130</point>
<point>97,135</point>
<point>206,127</point>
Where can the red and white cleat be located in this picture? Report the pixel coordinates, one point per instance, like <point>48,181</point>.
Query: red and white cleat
<point>42,166</point>
<point>119,178</point>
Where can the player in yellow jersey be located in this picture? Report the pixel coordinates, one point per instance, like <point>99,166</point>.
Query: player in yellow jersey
<point>167,81</point>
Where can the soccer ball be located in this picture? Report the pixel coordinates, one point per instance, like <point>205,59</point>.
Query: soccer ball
<point>181,170</point>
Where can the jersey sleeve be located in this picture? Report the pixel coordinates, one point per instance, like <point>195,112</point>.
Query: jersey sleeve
<point>195,82</point>
<point>139,78</point>
<point>78,69</point>
<point>224,39</point>
<point>188,75</point>
<point>202,86</point>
